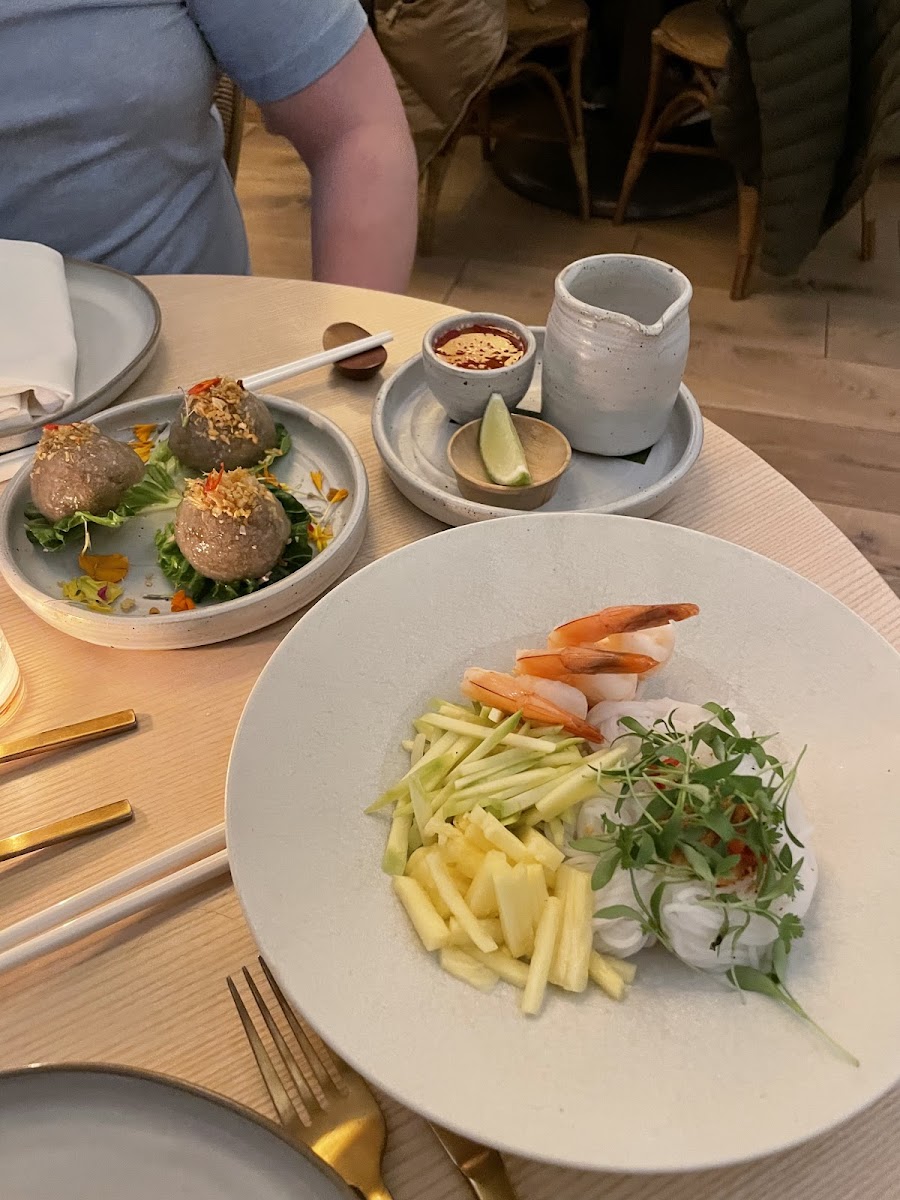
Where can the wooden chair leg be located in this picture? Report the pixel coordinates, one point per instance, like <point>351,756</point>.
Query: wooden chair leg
<point>435,174</point>
<point>578,148</point>
<point>577,151</point>
<point>642,147</point>
<point>748,235</point>
<point>483,119</point>
<point>867,227</point>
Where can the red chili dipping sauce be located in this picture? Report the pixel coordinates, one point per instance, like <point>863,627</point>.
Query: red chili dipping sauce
<point>479,347</point>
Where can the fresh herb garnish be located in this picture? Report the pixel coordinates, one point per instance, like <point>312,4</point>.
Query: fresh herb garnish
<point>704,821</point>
<point>709,821</point>
<point>199,588</point>
<point>155,491</point>
<point>279,450</point>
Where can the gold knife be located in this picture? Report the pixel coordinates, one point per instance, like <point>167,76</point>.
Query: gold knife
<point>67,735</point>
<point>481,1166</point>
<point>68,827</point>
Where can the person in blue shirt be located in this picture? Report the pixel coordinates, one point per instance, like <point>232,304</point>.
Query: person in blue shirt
<point>110,150</point>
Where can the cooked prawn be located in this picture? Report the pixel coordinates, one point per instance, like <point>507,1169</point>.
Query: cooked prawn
<point>582,660</point>
<point>519,693</point>
<point>620,619</point>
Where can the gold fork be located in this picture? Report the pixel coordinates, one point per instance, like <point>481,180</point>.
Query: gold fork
<point>339,1118</point>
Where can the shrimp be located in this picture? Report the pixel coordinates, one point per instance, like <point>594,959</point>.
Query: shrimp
<point>582,660</point>
<point>519,693</point>
<point>597,674</point>
<point>621,619</point>
<point>597,688</point>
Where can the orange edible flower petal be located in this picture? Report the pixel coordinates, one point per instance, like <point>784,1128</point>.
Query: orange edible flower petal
<point>105,568</point>
<point>142,449</point>
<point>336,495</point>
<point>182,602</point>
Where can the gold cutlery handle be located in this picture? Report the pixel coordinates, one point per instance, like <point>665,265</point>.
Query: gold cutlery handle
<point>67,735</point>
<point>482,1167</point>
<point>68,827</point>
<point>488,1178</point>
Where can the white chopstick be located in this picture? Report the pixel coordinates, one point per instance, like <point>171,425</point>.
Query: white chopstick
<point>313,361</point>
<point>14,459</point>
<point>84,913</point>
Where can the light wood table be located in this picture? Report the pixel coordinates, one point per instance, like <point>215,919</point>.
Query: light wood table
<point>150,993</point>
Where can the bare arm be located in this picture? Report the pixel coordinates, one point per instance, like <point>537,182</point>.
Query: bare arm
<point>350,129</point>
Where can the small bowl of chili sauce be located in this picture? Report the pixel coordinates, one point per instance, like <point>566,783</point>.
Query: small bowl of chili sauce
<point>471,357</point>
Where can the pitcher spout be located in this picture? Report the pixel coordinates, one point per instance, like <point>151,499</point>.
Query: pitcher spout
<point>642,294</point>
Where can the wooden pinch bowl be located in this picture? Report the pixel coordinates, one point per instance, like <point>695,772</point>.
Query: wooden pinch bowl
<point>547,453</point>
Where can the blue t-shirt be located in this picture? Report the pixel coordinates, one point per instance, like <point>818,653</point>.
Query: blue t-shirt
<point>109,149</point>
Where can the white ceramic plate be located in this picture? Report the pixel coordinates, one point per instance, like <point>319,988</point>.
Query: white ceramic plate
<point>117,324</point>
<point>35,576</point>
<point>412,432</point>
<point>683,1074</point>
<point>111,1134</point>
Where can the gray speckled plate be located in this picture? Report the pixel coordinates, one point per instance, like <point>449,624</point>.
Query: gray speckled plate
<point>108,1133</point>
<point>412,432</point>
<point>35,576</point>
<point>117,324</point>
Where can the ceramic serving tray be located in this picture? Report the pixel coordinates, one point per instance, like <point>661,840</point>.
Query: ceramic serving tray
<point>412,432</point>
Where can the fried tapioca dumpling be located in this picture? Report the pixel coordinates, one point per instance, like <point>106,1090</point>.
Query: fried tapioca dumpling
<point>221,424</point>
<point>229,526</point>
<point>79,469</point>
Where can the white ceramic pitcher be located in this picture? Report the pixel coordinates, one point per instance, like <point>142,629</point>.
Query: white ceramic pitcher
<point>614,352</point>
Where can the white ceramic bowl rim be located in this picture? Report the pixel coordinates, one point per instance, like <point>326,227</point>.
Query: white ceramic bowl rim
<point>465,321</point>
<point>359,500</point>
<point>564,278</point>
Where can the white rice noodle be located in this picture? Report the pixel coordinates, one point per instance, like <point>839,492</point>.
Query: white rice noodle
<point>692,926</point>
<point>622,936</point>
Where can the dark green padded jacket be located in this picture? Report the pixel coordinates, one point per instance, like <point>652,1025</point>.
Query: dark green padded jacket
<point>808,110</point>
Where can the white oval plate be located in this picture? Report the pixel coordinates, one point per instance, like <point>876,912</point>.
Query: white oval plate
<point>35,576</point>
<point>99,1133</point>
<point>682,1074</point>
<point>117,324</point>
<point>412,432</point>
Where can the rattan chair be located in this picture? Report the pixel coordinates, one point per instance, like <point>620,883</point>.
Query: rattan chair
<point>229,100</point>
<point>697,35</point>
<point>560,23</point>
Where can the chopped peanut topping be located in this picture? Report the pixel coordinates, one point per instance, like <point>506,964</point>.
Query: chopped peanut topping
<point>217,402</point>
<point>228,493</point>
<point>60,439</point>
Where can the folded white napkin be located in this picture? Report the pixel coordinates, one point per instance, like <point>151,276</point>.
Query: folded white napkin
<point>37,336</point>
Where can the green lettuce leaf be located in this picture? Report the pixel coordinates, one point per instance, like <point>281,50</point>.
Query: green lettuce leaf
<point>184,578</point>
<point>155,491</point>
<point>279,450</point>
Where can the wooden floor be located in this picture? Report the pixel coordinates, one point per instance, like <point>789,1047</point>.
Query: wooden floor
<point>806,372</point>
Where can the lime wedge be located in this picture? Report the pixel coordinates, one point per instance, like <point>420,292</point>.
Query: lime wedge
<point>501,450</point>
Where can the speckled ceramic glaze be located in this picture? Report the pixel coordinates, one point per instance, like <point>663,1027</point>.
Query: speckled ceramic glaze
<point>614,354</point>
<point>412,433</point>
<point>463,394</point>
<point>682,1075</point>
